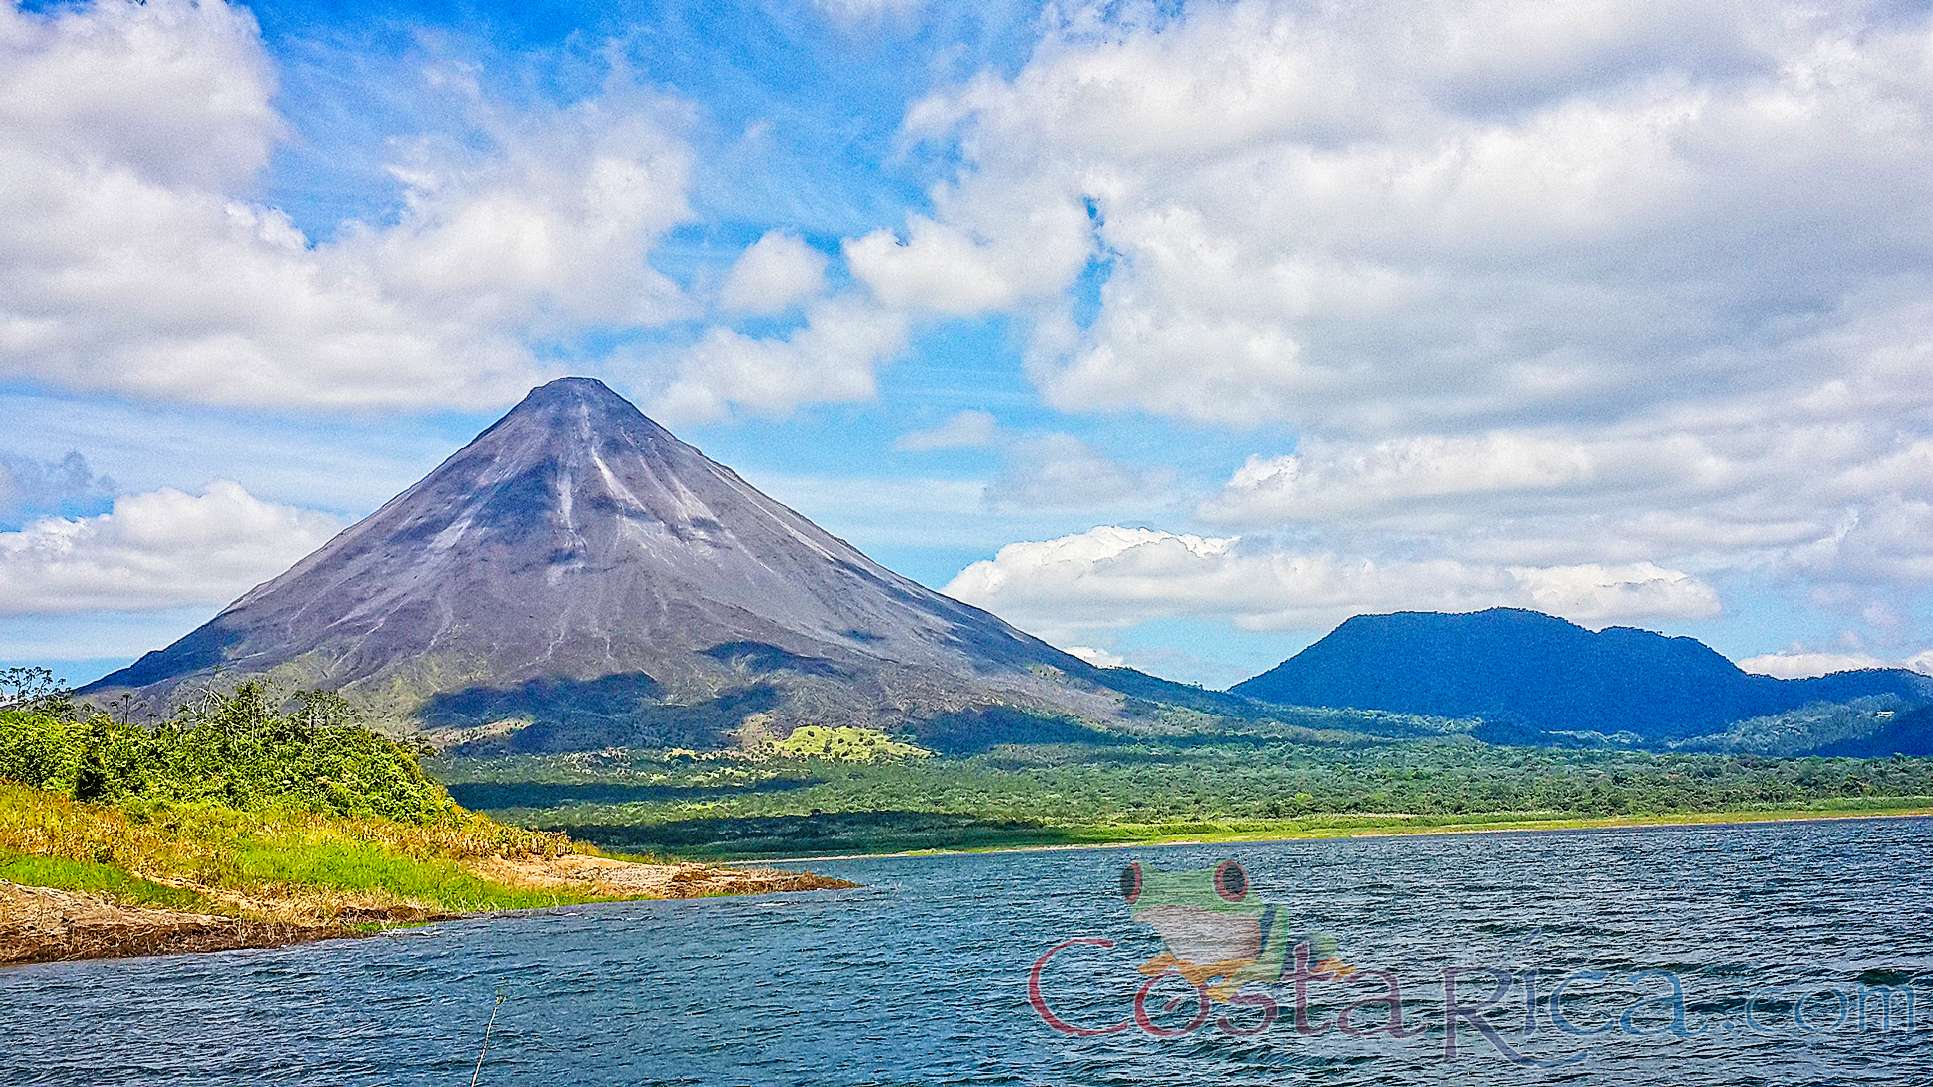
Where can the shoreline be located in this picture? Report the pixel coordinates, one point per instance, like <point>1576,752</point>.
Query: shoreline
<point>48,925</point>
<point>1506,825</point>
<point>40,925</point>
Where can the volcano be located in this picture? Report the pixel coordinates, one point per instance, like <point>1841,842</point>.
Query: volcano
<point>576,577</point>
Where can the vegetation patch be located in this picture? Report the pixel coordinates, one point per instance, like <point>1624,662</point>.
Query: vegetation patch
<point>1251,784</point>
<point>94,877</point>
<point>842,743</point>
<point>247,818</point>
<point>244,749</point>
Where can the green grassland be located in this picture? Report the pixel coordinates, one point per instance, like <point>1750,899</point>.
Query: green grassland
<point>269,862</point>
<point>93,877</point>
<point>1144,789</point>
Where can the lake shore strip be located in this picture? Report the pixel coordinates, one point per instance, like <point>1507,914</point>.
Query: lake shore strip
<point>45,924</point>
<point>1395,827</point>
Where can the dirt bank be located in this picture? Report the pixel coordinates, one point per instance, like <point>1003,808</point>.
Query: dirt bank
<point>611,878</point>
<point>40,924</point>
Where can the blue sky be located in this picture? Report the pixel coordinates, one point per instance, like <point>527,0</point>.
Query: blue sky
<point>1174,333</point>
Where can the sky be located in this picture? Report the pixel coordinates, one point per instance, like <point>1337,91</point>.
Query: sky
<point>1174,333</point>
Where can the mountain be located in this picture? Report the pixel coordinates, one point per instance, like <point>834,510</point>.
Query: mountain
<point>577,577</point>
<point>1533,672</point>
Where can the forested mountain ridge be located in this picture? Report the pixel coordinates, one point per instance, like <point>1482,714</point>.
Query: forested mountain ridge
<point>1525,668</point>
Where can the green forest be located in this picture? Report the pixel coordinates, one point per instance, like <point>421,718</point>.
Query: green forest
<point>744,805</point>
<point>828,790</point>
<point>247,748</point>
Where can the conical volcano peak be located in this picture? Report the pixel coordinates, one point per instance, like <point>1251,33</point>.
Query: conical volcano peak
<point>571,393</point>
<point>580,570</point>
<point>566,389</point>
<point>582,407</point>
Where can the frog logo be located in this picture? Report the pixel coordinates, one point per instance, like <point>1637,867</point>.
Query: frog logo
<point>1215,933</point>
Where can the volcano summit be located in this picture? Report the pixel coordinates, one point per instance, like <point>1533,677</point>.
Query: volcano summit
<point>577,577</point>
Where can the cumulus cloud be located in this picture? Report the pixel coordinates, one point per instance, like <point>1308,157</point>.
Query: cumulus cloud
<point>1111,577</point>
<point>1801,663</point>
<point>1009,253</point>
<point>1619,287</point>
<point>834,356</point>
<point>139,264</point>
<point>1330,479</point>
<point>1838,499</point>
<point>1305,217</point>
<point>162,549</point>
<point>774,274</point>
<point>970,429</point>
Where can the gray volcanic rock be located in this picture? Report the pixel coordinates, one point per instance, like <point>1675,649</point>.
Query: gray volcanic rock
<point>578,568</point>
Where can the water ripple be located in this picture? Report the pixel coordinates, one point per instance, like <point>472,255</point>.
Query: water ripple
<point>920,977</point>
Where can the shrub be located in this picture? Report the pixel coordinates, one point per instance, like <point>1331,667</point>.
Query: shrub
<point>245,748</point>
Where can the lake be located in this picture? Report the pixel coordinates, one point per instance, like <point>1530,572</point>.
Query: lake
<point>1714,955</point>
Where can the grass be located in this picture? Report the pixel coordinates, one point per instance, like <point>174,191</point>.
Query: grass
<point>371,870</point>
<point>842,743</point>
<point>93,877</point>
<point>1129,834</point>
<point>795,837</point>
<point>296,866</point>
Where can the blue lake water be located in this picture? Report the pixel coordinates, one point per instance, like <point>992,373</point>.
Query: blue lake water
<point>1775,935</point>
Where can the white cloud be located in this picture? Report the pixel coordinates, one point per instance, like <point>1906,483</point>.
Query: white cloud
<point>1801,496</point>
<point>1799,662</point>
<point>1887,539</point>
<point>774,274</point>
<point>1328,479</point>
<point>834,357</point>
<point>1060,471</point>
<point>970,429</point>
<point>548,230</point>
<point>175,92</point>
<point>137,262</point>
<point>1308,218</point>
<point>1111,577</point>
<point>1616,287</point>
<point>1042,472</point>
<point>1592,591</point>
<point>1099,658</point>
<point>990,255</point>
<point>161,549</point>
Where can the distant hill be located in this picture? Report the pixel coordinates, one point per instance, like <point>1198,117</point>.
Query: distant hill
<point>577,577</point>
<point>1904,734</point>
<point>1532,672</point>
